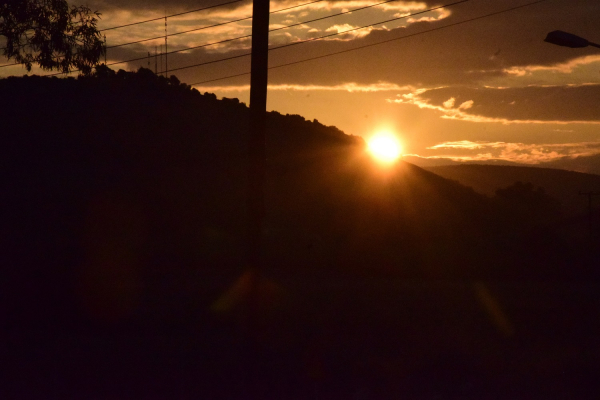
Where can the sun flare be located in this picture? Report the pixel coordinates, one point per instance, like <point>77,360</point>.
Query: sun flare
<point>385,147</point>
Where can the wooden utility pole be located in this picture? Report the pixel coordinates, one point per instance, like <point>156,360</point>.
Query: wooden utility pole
<point>256,142</point>
<point>255,189</point>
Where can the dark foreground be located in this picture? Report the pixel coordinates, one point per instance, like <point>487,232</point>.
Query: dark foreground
<point>318,338</point>
<point>122,242</point>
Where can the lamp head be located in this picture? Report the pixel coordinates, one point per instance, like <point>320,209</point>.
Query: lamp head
<point>561,38</point>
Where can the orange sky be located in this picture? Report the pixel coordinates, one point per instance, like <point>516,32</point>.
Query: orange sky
<point>489,88</point>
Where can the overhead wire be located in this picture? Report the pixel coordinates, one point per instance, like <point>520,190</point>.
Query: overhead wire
<point>192,30</point>
<point>276,29</point>
<point>161,18</point>
<point>369,25</point>
<point>317,38</point>
<point>321,37</point>
<point>214,25</point>
<point>378,43</point>
<point>170,16</point>
<point>286,45</point>
<point>202,9</point>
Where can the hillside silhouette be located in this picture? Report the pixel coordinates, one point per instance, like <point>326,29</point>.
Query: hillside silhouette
<point>582,164</point>
<point>123,232</point>
<point>562,185</point>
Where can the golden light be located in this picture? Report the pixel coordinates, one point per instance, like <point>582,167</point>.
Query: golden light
<point>385,147</point>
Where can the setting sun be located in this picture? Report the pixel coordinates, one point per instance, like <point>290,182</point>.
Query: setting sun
<point>385,147</point>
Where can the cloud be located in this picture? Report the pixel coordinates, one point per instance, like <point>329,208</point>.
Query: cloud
<point>125,12</point>
<point>466,150</point>
<point>466,105</point>
<point>560,104</point>
<point>471,53</point>
<point>346,87</point>
<point>562,67</point>
<point>474,53</point>
<point>449,103</point>
<point>348,32</point>
<point>466,144</point>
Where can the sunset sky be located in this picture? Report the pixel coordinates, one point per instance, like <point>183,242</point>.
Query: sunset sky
<point>458,79</point>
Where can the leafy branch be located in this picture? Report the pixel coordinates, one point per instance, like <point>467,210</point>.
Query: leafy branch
<point>52,34</point>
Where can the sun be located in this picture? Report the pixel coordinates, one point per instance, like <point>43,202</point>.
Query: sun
<point>385,147</point>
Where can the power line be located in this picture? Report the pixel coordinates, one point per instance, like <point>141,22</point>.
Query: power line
<point>214,25</point>
<point>273,48</point>
<point>180,33</point>
<point>172,15</point>
<point>197,29</point>
<point>366,26</point>
<point>170,52</point>
<point>160,18</point>
<point>247,18</point>
<point>320,37</point>
<point>378,43</point>
<point>336,15</point>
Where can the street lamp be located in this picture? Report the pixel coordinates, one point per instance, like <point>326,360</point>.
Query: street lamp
<point>566,39</point>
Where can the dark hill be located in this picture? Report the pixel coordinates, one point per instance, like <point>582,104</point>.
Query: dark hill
<point>586,164</point>
<point>560,184</point>
<point>146,158</point>
<point>123,220</point>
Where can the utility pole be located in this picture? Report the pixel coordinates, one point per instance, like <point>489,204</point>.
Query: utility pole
<point>589,195</point>
<point>256,140</point>
<point>256,173</point>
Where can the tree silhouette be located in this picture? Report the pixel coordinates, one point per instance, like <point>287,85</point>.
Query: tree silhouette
<point>50,33</point>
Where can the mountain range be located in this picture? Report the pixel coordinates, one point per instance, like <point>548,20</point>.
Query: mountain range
<point>568,187</point>
<point>583,164</point>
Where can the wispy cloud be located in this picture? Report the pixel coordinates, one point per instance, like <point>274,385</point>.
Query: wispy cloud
<point>565,68</point>
<point>345,87</point>
<point>466,144</point>
<point>541,104</point>
<point>466,150</point>
<point>348,32</point>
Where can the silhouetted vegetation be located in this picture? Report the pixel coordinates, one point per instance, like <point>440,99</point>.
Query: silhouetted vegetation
<point>123,209</point>
<point>50,33</point>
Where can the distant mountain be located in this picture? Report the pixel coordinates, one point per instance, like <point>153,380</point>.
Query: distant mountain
<point>560,184</point>
<point>585,164</point>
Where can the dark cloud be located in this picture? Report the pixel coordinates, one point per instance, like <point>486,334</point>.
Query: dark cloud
<point>469,53</point>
